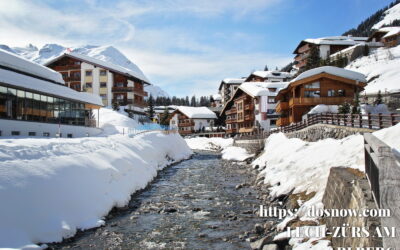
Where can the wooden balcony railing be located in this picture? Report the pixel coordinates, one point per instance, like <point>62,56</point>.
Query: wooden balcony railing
<point>319,100</point>
<point>140,92</point>
<point>282,121</point>
<point>122,89</point>
<point>186,124</point>
<point>231,111</point>
<point>248,117</point>
<point>248,107</point>
<point>281,106</point>
<point>66,67</point>
<point>72,79</point>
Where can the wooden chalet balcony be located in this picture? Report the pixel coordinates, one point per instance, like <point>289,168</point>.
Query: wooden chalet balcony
<point>140,92</point>
<point>248,107</point>
<point>123,102</point>
<point>304,48</point>
<point>282,106</point>
<point>246,130</point>
<point>231,131</point>
<point>66,67</point>
<point>248,117</point>
<point>231,111</point>
<point>319,100</point>
<point>186,124</point>
<point>230,121</point>
<point>122,89</point>
<point>72,79</point>
<point>282,121</point>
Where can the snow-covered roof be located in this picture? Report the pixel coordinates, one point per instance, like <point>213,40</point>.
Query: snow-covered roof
<point>18,63</point>
<point>333,40</point>
<point>345,73</point>
<point>390,31</point>
<point>261,88</point>
<point>107,65</point>
<point>35,84</point>
<point>272,74</point>
<point>217,97</point>
<point>197,112</point>
<point>233,80</point>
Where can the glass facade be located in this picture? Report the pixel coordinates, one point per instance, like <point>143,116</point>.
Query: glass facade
<point>24,105</point>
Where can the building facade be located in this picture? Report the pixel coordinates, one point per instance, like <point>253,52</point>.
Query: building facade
<point>325,85</point>
<point>114,84</point>
<point>326,45</point>
<point>189,120</point>
<point>389,36</point>
<point>228,87</point>
<point>34,101</point>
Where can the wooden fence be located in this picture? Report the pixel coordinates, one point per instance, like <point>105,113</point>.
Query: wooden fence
<point>370,121</point>
<point>383,173</point>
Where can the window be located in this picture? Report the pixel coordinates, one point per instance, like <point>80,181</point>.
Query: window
<point>331,92</point>
<point>88,85</point>
<point>32,133</point>
<point>15,133</point>
<point>341,92</point>
<point>88,73</point>
<point>271,111</point>
<point>103,72</point>
<point>312,94</point>
<point>103,96</point>
<point>46,134</point>
<point>69,135</point>
<point>271,99</point>
<point>273,122</point>
<point>314,85</point>
<point>271,89</point>
<point>103,85</point>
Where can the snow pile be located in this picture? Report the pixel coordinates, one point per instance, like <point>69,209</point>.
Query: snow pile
<point>391,136</point>
<point>345,73</point>
<point>235,154</point>
<point>197,112</point>
<point>52,187</point>
<point>115,122</point>
<point>261,88</point>
<point>204,143</point>
<point>374,109</point>
<point>390,15</point>
<point>381,68</point>
<point>272,74</point>
<point>322,108</point>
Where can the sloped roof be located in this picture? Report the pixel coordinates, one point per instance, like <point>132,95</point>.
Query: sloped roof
<point>261,88</point>
<point>345,73</point>
<point>103,64</point>
<point>332,40</point>
<point>231,81</point>
<point>15,62</point>
<point>197,112</point>
<point>272,74</point>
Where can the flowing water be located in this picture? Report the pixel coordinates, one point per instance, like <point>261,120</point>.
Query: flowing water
<point>192,205</point>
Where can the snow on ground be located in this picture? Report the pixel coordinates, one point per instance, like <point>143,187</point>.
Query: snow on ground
<point>49,188</point>
<point>381,68</point>
<point>232,153</point>
<point>293,165</point>
<point>115,122</point>
<point>204,143</point>
<point>390,15</point>
<point>322,108</point>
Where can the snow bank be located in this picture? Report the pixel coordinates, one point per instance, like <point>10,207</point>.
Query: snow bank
<point>374,109</point>
<point>391,136</point>
<point>322,108</point>
<point>204,143</point>
<point>113,122</point>
<point>381,68</point>
<point>390,15</point>
<point>232,153</point>
<point>49,188</point>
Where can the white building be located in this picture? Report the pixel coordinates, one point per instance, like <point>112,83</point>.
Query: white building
<point>188,120</point>
<point>34,101</point>
<point>227,87</point>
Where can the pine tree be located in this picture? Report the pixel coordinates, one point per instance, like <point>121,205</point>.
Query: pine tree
<point>151,107</point>
<point>356,108</point>
<point>314,59</point>
<point>187,102</point>
<point>344,108</point>
<point>266,68</point>
<point>165,117</point>
<point>193,101</point>
<point>378,98</point>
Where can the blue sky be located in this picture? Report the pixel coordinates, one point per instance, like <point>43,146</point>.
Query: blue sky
<point>184,46</point>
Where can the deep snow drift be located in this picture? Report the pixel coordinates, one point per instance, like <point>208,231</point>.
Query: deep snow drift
<point>203,143</point>
<point>49,188</point>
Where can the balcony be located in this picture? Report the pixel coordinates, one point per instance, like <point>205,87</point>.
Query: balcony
<point>281,106</point>
<point>186,124</point>
<point>231,111</point>
<point>319,100</point>
<point>248,107</point>
<point>228,121</point>
<point>231,131</point>
<point>282,121</point>
<point>246,130</point>
<point>66,67</point>
<point>122,89</point>
<point>248,117</point>
<point>72,79</point>
<point>140,92</point>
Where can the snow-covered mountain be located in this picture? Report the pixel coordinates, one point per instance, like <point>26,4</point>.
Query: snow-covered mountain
<point>389,16</point>
<point>104,53</point>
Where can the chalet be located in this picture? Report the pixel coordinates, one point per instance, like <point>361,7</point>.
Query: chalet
<point>34,101</point>
<point>188,120</point>
<point>159,112</point>
<point>252,107</point>
<point>227,87</point>
<point>326,46</point>
<point>113,83</point>
<point>389,36</point>
<point>325,85</point>
<point>269,76</point>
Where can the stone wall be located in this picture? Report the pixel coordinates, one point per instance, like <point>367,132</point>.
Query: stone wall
<point>251,146</point>
<point>323,131</point>
<point>349,189</point>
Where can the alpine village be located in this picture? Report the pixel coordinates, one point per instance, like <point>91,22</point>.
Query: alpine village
<point>95,155</point>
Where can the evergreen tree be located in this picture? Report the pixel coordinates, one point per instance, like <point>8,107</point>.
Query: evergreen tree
<point>378,98</point>
<point>193,101</point>
<point>314,59</point>
<point>356,108</point>
<point>187,103</point>
<point>266,68</point>
<point>344,108</point>
<point>151,107</point>
<point>165,117</point>
<point>115,106</point>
